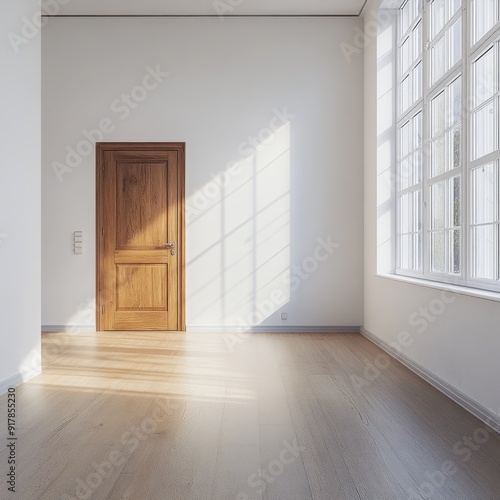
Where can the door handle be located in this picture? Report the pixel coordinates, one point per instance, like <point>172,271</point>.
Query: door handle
<point>169,245</point>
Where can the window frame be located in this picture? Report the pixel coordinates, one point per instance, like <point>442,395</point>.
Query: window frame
<point>470,52</point>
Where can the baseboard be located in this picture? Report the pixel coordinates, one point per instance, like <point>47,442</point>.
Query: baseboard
<point>273,329</point>
<point>478,410</point>
<point>222,329</point>
<point>67,328</point>
<point>19,378</point>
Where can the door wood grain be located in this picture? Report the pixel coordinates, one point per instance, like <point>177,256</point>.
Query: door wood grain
<point>140,213</point>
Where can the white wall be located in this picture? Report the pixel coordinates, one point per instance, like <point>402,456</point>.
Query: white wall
<point>19,195</point>
<point>454,338</point>
<point>226,79</point>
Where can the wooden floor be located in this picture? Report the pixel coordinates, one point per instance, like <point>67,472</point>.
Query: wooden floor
<point>284,416</point>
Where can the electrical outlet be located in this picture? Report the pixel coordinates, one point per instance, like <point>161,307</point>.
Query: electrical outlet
<point>284,316</point>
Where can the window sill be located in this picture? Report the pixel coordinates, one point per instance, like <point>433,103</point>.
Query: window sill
<point>461,290</point>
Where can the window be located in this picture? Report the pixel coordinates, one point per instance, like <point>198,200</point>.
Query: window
<point>448,153</point>
<point>409,175</point>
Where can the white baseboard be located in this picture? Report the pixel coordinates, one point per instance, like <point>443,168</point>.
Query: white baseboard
<point>478,410</point>
<point>273,329</point>
<point>222,329</point>
<point>67,328</point>
<point>19,378</point>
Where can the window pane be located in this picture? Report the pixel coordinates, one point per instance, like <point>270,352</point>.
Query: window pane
<point>438,114</point>
<point>437,16</point>
<point>454,236</point>
<point>406,214</point>
<point>438,207</point>
<point>456,197</point>
<point>456,252</point>
<point>417,210</point>
<point>484,81</point>
<point>455,35</point>
<point>405,140</point>
<point>485,130</point>
<point>406,251</point>
<point>438,156</point>
<point>455,114</point>
<point>417,40</point>
<point>417,82</point>
<point>438,254</point>
<point>405,16</point>
<point>417,131</point>
<point>484,13</point>
<point>485,194</point>
<point>405,56</point>
<point>446,110</point>
<point>417,167</point>
<point>405,174</point>
<point>485,254</point>
<point>454,6</point>
<point>438,58</point>
<point>405,94</point>
<point>456,147</point>
<point>409,171</point>
<point>417,245</point>
<point>410,213</point>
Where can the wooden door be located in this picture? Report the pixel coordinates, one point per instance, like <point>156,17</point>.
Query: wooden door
<point>140,236</point>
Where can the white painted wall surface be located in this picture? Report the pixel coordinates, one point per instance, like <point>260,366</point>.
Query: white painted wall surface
<point>228,81</point>
<point>20,105</point>
<point>457,342</point>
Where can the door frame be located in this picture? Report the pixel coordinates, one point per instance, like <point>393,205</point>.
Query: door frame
<point>180,147</point>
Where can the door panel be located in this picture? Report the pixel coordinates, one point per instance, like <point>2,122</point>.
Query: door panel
<point>139,208</point>
<point>141,287</point>
<point>141,204</point>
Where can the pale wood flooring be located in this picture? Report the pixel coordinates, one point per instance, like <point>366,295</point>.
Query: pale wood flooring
<point>184,418</point>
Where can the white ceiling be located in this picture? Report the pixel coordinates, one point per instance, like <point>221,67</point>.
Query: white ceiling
<point>207,7</point>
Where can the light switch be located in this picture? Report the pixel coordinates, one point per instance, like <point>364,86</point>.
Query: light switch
<point>78,242</point>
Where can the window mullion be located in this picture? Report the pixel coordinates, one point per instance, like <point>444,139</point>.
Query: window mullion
<point>426,148</point>
<point>464,195</point>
